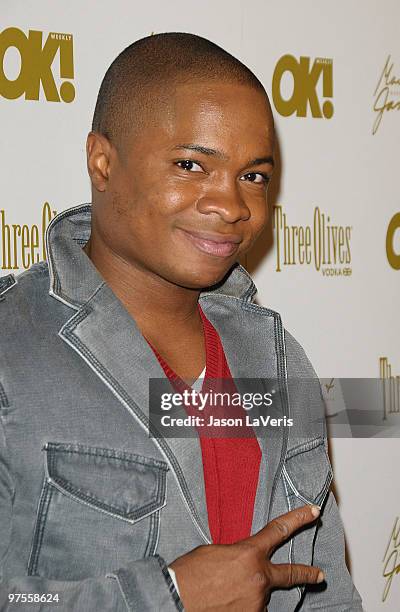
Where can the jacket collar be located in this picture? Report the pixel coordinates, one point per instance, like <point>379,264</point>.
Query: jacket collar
<point>73,277</point>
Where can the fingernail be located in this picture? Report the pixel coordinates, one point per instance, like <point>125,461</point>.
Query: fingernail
<point>321,577</point>
<point>315,511</point>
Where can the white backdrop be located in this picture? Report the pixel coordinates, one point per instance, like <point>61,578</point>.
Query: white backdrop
<point>340,168</point>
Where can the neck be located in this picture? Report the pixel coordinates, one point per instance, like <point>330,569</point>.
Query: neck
<point>147,297</point>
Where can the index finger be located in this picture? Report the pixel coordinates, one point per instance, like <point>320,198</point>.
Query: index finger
<point>281,528</point>
<point>287,574</point>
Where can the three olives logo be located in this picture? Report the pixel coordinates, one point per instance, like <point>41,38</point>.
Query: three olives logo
<point>35,66</point>
<point>391,253</point>
<point>323,244</point>
<point>306,90</point>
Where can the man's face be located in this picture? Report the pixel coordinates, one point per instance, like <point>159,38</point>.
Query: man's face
<point>188,196</point>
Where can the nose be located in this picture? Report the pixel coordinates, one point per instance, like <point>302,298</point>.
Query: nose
<point>225,200</point>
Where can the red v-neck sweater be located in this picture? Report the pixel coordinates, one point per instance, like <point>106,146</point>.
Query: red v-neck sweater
<point>230,465</point>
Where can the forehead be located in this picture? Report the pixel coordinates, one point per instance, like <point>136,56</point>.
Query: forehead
<point>213,114</point>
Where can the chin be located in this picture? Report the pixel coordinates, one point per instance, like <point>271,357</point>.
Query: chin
<point>202,279</point>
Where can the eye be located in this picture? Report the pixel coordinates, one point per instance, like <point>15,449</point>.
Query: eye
<point>190,165</point>
<point>256,177</point>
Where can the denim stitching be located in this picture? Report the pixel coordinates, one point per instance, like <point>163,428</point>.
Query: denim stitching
<point>153,534</point>
<point>291,540</point>
<point>325,488</point>
<point>4,403</point>
<point>93,507</point>
<point>120,583</point>
<point>104,452</point>
<point>125,587</point>
<point>283,393</point>
<point>319,496</point>
<point>165,497</point>
<point>7,282</point>
<point>98,503</point>
<point>43,508</point>
<point>304,447</point>
<point>329,478</point>
<point>294,489</point>
<point>155,522</point>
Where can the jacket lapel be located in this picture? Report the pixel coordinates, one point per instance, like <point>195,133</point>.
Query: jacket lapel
<point>107,338</point>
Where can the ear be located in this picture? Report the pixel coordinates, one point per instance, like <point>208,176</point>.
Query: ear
<point>98,151</point>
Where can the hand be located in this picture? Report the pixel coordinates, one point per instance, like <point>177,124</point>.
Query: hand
<point>240,576</point>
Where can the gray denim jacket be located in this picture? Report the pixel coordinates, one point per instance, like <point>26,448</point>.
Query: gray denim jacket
<point>91,507</point>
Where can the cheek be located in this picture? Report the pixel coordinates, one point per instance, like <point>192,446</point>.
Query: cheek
<point>161,202</point>
<point>177,194</point>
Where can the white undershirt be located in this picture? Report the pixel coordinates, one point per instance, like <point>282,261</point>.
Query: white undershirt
<point>199,381</point>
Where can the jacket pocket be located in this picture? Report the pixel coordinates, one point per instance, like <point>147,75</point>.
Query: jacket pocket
<point>307,476</point>
<point>99,509</point>
<point>308,472</point>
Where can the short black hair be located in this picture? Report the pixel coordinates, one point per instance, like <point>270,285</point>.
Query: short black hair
<point>147,67</point>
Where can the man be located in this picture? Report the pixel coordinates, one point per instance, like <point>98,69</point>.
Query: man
<point>141,285</point>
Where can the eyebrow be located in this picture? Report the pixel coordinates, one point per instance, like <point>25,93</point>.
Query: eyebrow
<point>268,159</point>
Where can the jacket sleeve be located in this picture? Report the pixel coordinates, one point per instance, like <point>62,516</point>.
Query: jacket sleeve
<point>338,594</point>
<point>143,586</point>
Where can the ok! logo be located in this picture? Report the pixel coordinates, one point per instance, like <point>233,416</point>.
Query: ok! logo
<point>35,68</point>
<point>306,93</point>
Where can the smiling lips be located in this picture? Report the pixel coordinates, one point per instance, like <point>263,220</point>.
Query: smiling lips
<point>221,245</point>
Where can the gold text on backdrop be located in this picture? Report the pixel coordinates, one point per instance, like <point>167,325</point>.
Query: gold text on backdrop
<point>393,227</point>
<point>36,62</point>
<point>322,244</point>
<point>305,86</point>
<point>386,91</point>
<point>391,566</point>
<point>390,388</point>
<point>23,245</point>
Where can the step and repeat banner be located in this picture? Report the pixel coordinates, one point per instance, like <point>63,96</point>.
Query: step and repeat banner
<point>329,260</point>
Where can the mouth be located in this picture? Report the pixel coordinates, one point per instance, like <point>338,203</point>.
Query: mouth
<point>220,245</point>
